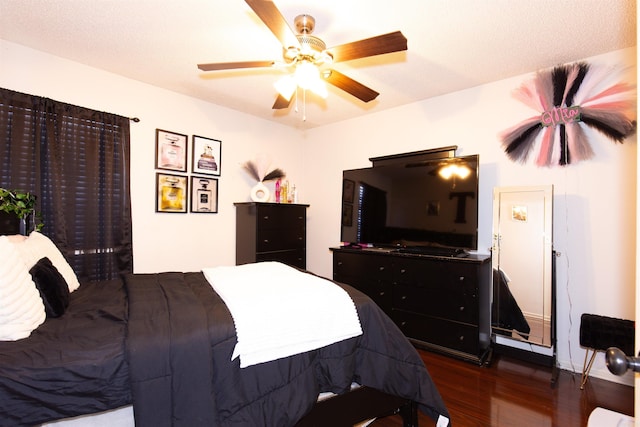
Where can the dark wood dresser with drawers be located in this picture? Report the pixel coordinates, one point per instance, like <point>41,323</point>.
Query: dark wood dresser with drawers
<point>442,303</point>
<point>271,232</point>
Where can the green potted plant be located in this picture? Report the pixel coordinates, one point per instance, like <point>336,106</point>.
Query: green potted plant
<point>20,204</point>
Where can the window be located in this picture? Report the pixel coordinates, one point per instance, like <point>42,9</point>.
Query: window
<point>76,161</point>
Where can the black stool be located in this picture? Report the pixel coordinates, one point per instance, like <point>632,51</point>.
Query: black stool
<point>598,333</point>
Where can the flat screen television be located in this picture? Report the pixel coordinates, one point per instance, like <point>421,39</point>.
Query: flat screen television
<point>421,206</point>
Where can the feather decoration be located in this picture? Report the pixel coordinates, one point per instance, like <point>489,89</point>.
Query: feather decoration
<point>253,170</point>
<point>571,99</point>
<point>258,169</point>
<point>274,174</point>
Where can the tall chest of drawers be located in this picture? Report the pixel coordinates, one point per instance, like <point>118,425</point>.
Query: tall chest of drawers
<point>271,232</point>
<point>440,303</point>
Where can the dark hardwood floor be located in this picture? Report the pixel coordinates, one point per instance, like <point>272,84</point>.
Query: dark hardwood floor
<point>511,392</point>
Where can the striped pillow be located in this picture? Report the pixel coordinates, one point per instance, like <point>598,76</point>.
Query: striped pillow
<point>21,308</point>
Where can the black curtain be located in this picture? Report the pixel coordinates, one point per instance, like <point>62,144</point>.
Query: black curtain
<point>76,161</point>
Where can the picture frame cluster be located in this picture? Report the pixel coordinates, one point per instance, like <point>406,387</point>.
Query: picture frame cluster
<point>176,190</point>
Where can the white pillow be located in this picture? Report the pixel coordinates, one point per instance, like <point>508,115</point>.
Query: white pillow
<point>21,308</point>
<point>38,246</point>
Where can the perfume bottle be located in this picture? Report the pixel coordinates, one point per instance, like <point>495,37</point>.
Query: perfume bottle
<point>171,195</point>
<point>278,191</point>
<point>207,159</point>
<point>203,197</point>
<point>284,189</point>
<point>171,153</point>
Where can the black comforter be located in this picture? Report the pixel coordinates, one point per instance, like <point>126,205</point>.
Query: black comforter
<point>71,365</point>
<point>175,363</point>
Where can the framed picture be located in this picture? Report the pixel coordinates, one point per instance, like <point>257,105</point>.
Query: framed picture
<point>204,195</point>
<point>347,214</point>
<point>171,193</point>
<point>207,154</point>
<point>348,188</point>
<point>171,151</point>
<point>519,213</point>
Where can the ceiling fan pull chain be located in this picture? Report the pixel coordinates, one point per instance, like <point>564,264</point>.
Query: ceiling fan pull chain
<point>304,105</point>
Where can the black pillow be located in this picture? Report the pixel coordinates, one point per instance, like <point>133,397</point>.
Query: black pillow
<point>54,290</point>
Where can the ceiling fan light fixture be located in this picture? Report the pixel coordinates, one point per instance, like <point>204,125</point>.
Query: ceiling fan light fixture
<point>290,54</point>
<point>306,73</point>
<point>286,86</point>
<point>454,170</point>
<point>326,58</point>
<point>307,76</point>
<point>308,53</point>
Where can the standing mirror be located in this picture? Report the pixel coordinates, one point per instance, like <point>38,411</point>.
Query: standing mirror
<point>522,263</point>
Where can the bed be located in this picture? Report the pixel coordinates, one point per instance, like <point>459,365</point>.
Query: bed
<point>162,344</point>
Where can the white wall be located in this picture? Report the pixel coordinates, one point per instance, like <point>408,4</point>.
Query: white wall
<point>595,201</point>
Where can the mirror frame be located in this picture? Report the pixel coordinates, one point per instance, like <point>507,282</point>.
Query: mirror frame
<point>548,298</point>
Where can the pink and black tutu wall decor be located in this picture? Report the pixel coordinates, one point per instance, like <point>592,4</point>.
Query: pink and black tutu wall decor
<point>573,101</point>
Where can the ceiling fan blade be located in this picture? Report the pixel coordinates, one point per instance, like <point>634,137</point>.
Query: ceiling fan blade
<point>234,65</point>
<point>349,85</point>
<point>386,43</point>
<point>273,19</point>
<point>281,103</point>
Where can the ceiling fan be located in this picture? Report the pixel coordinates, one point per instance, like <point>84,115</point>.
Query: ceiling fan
<point>310,58</point>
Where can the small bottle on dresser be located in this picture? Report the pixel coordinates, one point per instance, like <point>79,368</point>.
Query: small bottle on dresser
<point>278,191</point>
<point>284,190</point>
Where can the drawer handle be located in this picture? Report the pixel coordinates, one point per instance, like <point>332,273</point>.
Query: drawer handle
<point>266,217</point>
<point>266,240</point>
<point>300,238</point>
<point>381,293</point>
<point>403,324</point>
<point>403,297</point>
<point>462,308</point>
<point>461,338</point>
<point>461,278</point>
<point>402,271</point>
<point>380,268</point>
<point>339,262</point>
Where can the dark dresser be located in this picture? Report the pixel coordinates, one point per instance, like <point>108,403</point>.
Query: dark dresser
<point>271,232</point>
<point>440,303</point>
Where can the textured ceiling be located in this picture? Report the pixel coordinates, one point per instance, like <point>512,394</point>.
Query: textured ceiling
<point>452,44</point>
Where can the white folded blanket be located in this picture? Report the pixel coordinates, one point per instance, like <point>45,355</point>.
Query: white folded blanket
<point>279,311</point>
